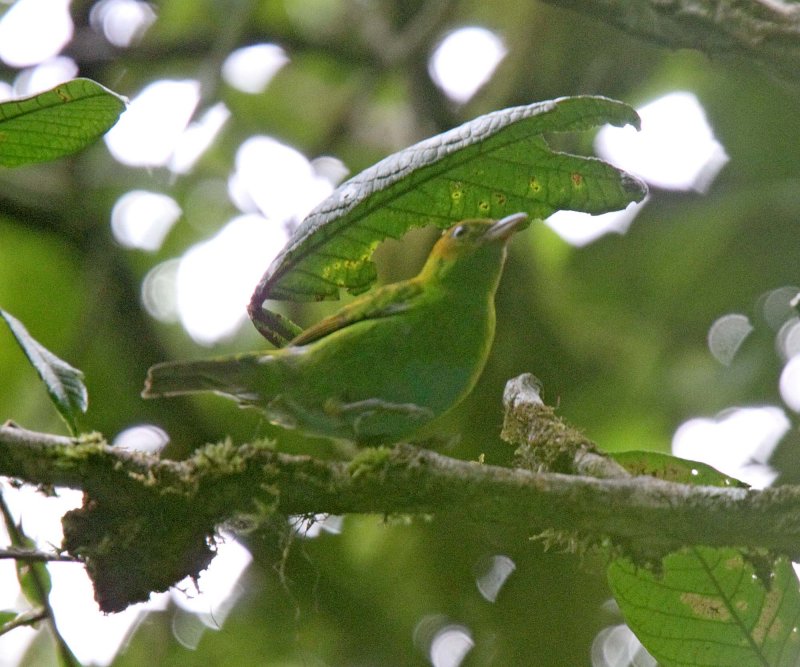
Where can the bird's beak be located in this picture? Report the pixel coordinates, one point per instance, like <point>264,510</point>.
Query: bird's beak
<point>504,228</point>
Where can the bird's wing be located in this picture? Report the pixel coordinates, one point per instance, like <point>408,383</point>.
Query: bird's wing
<point>383,302</point>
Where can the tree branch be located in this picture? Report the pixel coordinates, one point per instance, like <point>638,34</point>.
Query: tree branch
<point>31,556</point>
<point>767,31</point>
<point>160,509</point>
<point>406,479</point>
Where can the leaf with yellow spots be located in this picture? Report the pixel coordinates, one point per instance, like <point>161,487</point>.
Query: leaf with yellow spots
<point>490,167</point>
<point>710,607</point>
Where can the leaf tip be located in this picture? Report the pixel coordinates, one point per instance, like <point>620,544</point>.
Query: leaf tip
<point>634,187</point>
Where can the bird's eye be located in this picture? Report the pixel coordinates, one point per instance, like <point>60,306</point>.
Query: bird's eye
<point>459,231</point>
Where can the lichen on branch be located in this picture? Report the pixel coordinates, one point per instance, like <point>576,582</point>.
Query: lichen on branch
<point>148,522</point>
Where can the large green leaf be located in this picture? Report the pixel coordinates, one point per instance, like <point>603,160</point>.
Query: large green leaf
<point>63,382</point>
<point>57,122</point>
<point>489,167</point>
<point>709,607</point>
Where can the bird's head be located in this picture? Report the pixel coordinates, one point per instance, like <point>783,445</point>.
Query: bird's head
<point>474,246</point>
<point>467,236</point>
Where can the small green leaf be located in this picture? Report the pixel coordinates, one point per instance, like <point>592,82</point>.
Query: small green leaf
<point>33,577</point>
<point>492,166</point>
<point>709,607</point>
<point>63,382</point>
<point>673,469</point>
<point>5,617</point>
<point>57,122</point>
<point>34,581</point>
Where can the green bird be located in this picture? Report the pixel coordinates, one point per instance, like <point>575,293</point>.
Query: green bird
<point>384,365</point>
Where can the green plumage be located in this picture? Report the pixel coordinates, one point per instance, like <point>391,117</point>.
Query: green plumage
<point>384,365</point>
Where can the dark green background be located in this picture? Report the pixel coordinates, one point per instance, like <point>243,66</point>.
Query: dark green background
<point>616,331</point>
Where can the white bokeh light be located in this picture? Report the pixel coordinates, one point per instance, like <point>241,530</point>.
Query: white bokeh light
<point>217,585</point>
<point>32,31</point>
<point>150,129</point>
<point>465,60</point>
<point>275,180</point>
<point>6,91</point>
<point>275,186</point>
<point>310,527</point>
<point>196,139</point>
<point>94,637</point>
<point>788,338</point>
<point>44,76</point>
<point>40,515</point>
<point>160,291</point>
<point>675,149</point>
<point>122,22</point>
<point>146,438</point>
<point>14,644</point>
<point>789,383</point>
<point>216,278</point>
<point>492,575</point>
<point>778,305</point>
<point>739,442</point>
<point>726,335</point>
<point>450,646</point>
<point>617,646</point>
<point>142,219</point>
<point>579,229</point>
<point>251,68</point>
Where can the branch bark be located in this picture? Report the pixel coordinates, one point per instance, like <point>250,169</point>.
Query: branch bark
<point>142,509</point>
<point>248,478</point>
<point>766,31</point>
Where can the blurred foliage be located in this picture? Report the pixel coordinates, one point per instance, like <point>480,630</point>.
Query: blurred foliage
<point>616,331</point>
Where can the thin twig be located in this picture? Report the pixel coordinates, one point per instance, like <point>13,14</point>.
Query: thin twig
<point>18,539</point>
<point>31,556</point>
<point>25,619</point>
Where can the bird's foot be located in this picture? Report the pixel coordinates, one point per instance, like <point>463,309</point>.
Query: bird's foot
<point>374,417</point>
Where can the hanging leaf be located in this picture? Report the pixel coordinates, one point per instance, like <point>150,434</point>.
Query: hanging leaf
<point>489,167</point>
<point>710,607</point>
<point>34,578</point>
<point>55,123</point>
<point>63,382</point>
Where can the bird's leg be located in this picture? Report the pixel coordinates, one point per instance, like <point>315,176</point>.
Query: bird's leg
<point>372,416</point>
<point>377,405</point>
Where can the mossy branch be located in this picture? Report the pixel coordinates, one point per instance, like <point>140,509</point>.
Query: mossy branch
<point>147,522</point>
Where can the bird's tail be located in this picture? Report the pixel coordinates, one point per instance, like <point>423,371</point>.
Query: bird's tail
<point>233,376</point>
